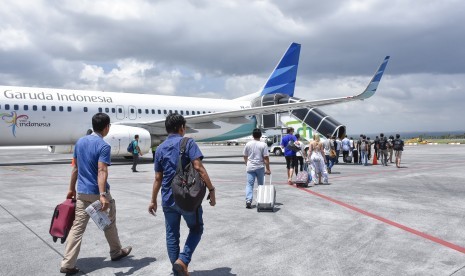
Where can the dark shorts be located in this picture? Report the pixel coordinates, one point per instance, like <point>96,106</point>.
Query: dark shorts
<point>291,161</point>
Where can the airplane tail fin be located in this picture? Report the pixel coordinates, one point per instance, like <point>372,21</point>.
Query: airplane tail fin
<point>282,79</point>
<point>373,85</point>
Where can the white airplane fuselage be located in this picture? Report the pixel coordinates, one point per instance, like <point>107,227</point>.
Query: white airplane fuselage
<point>37,116</point>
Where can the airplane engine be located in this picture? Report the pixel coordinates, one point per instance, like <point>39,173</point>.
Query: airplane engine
<point>313,117</point>
<point>118,138</point>
<point>61,149</point>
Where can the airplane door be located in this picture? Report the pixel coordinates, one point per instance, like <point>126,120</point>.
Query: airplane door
<point>120,112</point>
<point>132,112</point>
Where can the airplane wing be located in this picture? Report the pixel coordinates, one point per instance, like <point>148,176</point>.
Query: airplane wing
<point>206,120</point>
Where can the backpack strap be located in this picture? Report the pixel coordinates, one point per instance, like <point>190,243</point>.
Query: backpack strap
<point>182,150</point>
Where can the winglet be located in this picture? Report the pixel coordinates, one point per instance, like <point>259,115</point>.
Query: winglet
<point>373,85</point>
<point>282,79</point>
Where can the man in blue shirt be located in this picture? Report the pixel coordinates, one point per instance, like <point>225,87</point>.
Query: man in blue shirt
<point>166,159</point>
<point>90,171</point>
<point>289,154</point>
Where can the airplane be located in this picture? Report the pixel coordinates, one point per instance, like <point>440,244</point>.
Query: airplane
<point>59,117</point>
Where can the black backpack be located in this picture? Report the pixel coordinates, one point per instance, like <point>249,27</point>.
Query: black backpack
<point>383,144</point>
<point>398,144</point>
<point>188,187</point>
<point>292,146</point>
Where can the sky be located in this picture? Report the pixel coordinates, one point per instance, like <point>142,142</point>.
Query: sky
<point>226,49</point>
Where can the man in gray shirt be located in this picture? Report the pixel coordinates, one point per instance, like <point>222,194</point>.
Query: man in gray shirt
<point>257,160</point>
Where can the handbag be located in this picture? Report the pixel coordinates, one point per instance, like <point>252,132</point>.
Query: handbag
<point>332,153</point>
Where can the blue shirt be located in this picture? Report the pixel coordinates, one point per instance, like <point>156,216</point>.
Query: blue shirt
<point>90,150</point>
<point>285,141</point>
<point>135,143</point>
<point>166,162</point>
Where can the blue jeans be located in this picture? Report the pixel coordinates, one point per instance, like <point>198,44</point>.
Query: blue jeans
<point>364,157</point>
<point>260,175</point>
<point>172,223</point>
<point>329,162</point>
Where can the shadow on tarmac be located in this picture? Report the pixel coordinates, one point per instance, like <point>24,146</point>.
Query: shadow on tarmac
<point>222,271</point>
<point>96,263</point>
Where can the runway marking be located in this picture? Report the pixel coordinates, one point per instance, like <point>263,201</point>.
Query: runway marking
<point>32,231</point>
<point>387,221</point>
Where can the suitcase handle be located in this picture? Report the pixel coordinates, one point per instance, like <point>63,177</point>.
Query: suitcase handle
<point>264,179</point>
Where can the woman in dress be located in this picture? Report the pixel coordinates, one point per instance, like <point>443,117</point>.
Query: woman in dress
<point>317,160</point>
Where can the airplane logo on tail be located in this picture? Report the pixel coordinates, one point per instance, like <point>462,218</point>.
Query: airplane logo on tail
<point>13,118</point>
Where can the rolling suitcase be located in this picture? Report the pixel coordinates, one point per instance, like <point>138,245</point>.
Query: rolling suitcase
<point>62,220</point>
<point>266,197</point>
<point>303,177</point>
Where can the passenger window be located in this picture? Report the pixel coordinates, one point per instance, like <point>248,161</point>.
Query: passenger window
<point>153,111</point>
<point>25,107</point>
<point>113,110</point>
<point>187,112</point>
<point>7,107</point>
<point>69,108</point>
<point>100,109</point>
<point>44,108</point>
<point>139,111</point>
<point>164,111</point>
<point>85,109</point>
<point>146,111</point>
<point>182,112</point>
<point>54,108</point>
<point>204,112</point>
<point>171,112</point>
<point>132,110</point>
<point>120,110</point>
<point>34,107</point>
<point>198,112</point>
<point>159,111</point>
<point>60,108</point>
<point>107,110</point>
<point>16,107</point>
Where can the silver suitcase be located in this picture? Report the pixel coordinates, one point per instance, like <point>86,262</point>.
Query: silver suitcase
<point>266,197</point>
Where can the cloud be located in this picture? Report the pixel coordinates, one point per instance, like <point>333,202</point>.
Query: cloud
<point>227,49</point>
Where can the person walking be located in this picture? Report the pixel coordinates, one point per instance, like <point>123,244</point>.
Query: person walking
<point>289,154</point>
<point>135,153</point>
<point>364,149</point>
<point>338,149</point>
<point>382,149</point>
<point>329,145</point>
<point>257,161</point>
<point>353,145</point>
<point>390,149</point>
<point>90,172</point>
<point>298,155</point>
<point>398,146</point>
<point>317,160</point>
<point>358,146</point>
<point>345,149</point>
<point>166,160</point>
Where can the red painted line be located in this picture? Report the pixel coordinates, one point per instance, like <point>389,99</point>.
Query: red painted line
<point>390,222</point>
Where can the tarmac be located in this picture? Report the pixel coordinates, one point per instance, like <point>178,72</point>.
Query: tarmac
<point>370,220</point>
